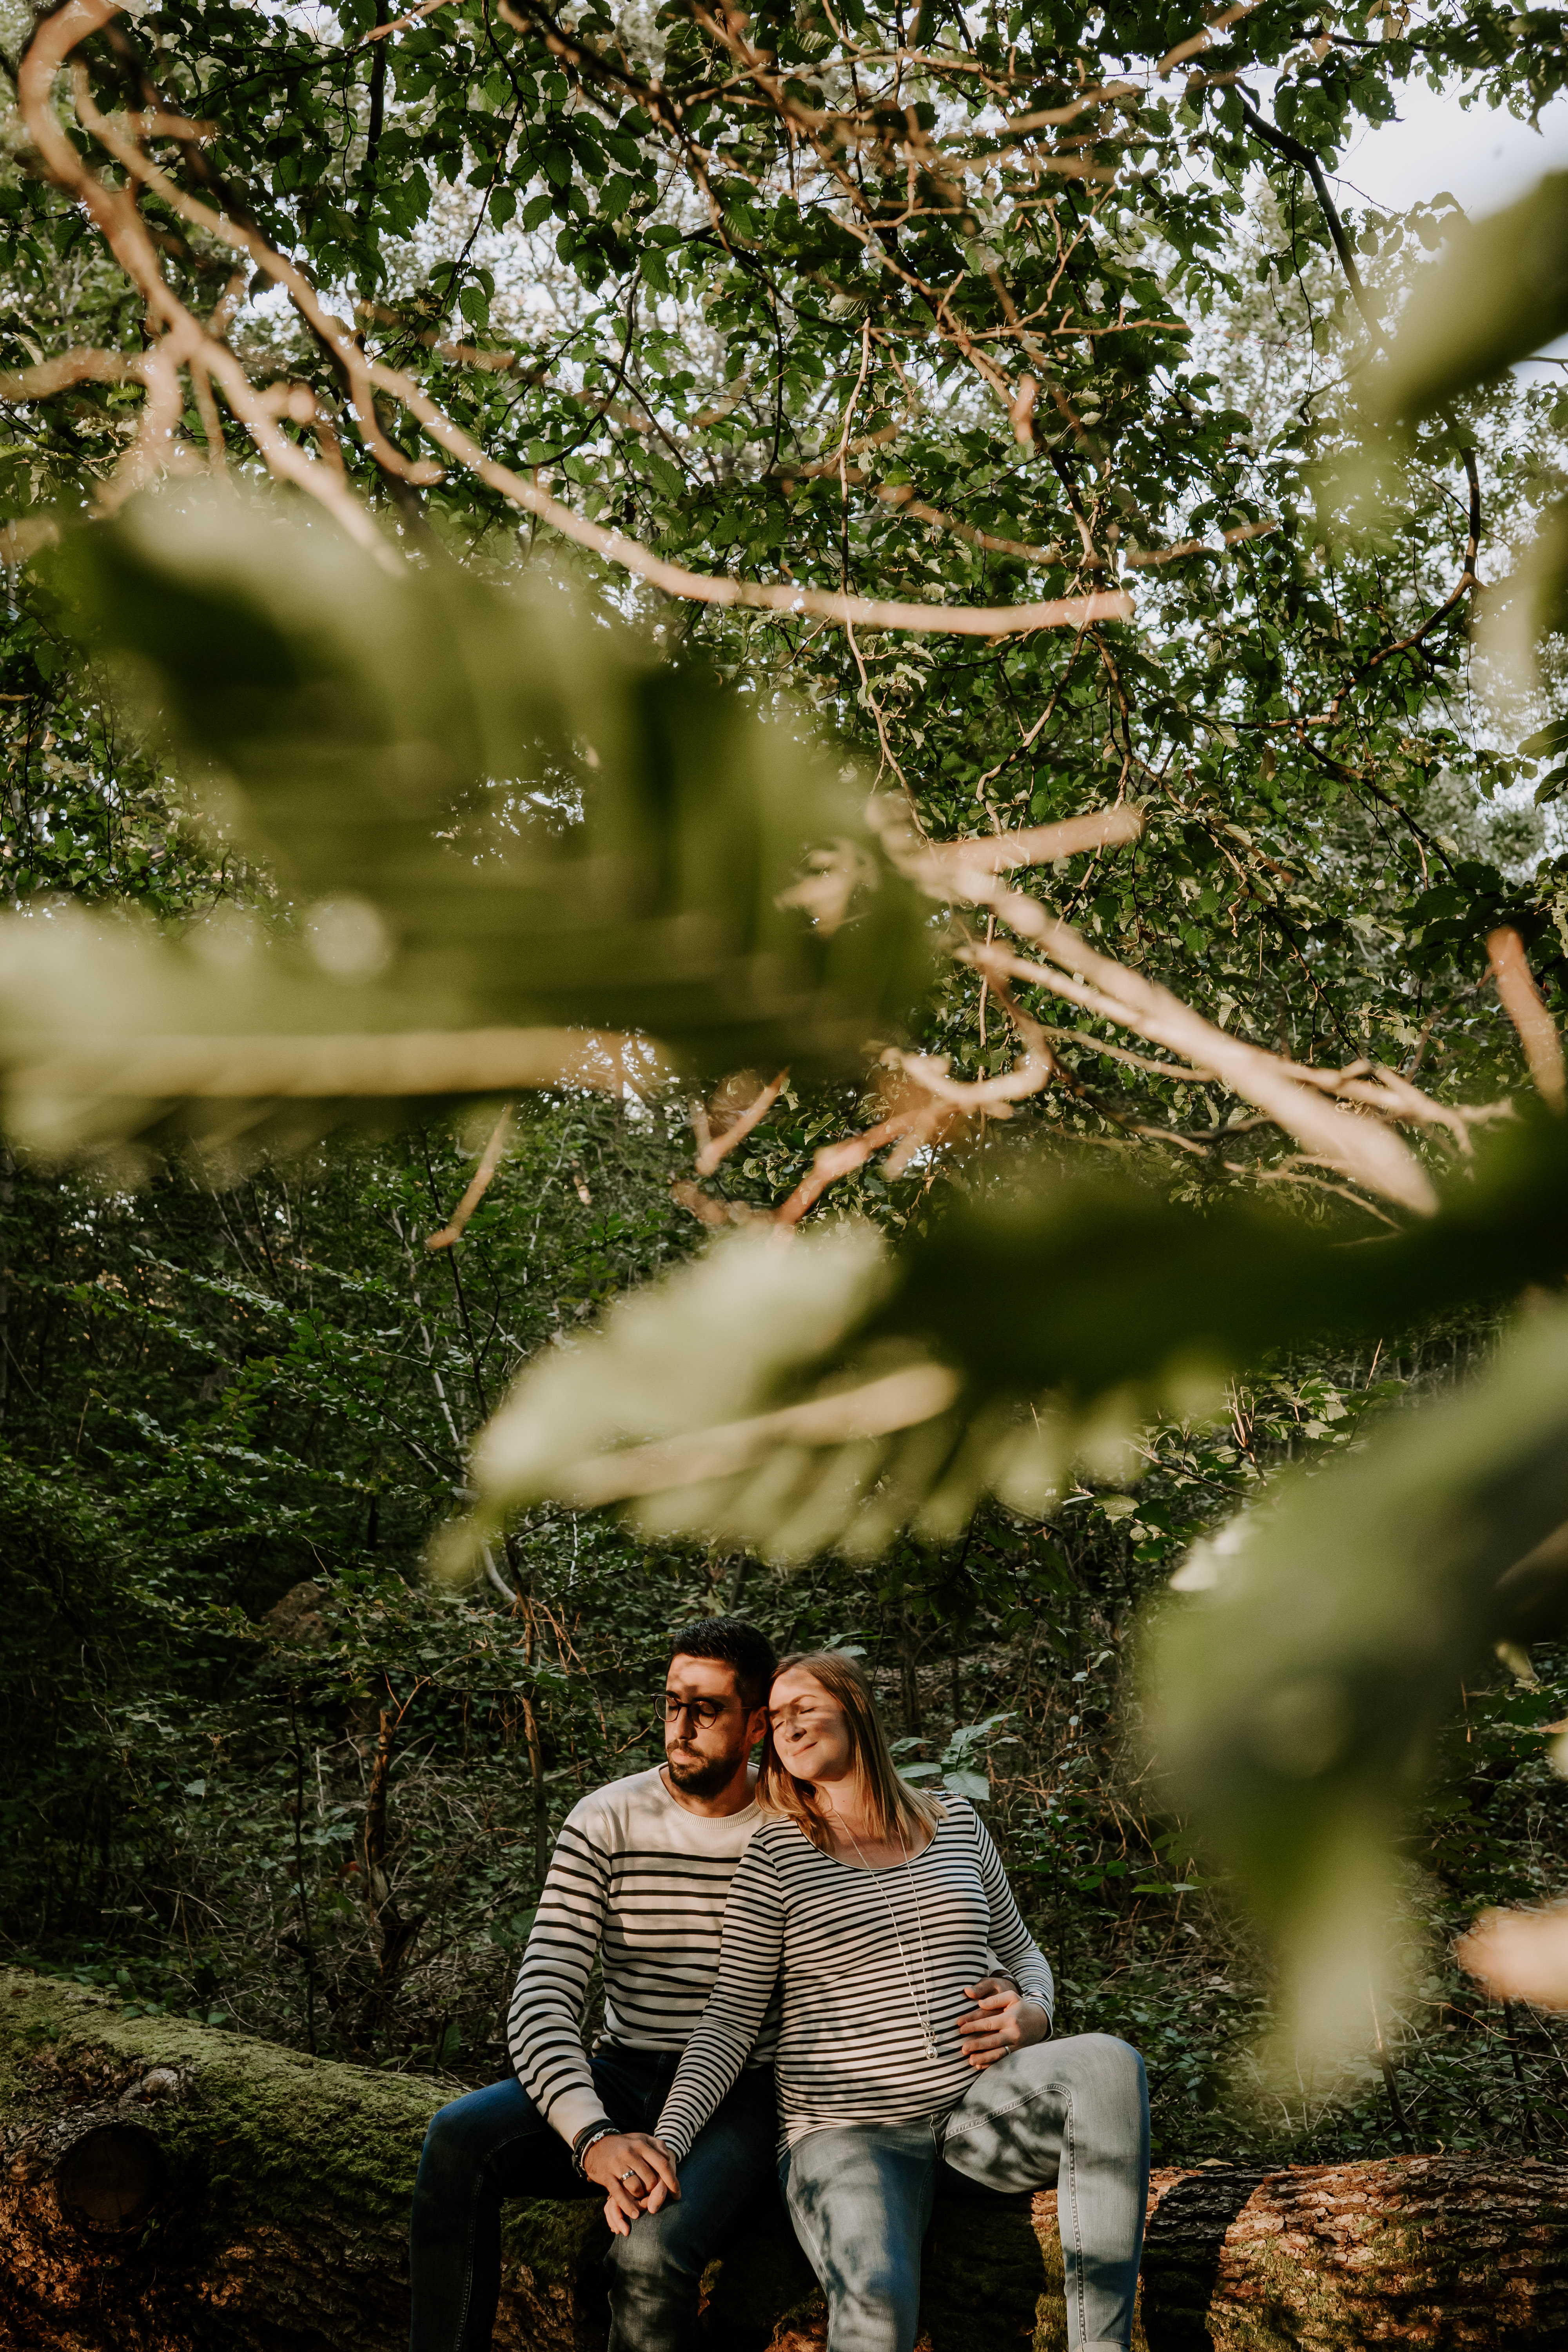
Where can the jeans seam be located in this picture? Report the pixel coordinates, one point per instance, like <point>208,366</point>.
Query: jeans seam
<point>528,2132</point>
<point>1069,2137</point>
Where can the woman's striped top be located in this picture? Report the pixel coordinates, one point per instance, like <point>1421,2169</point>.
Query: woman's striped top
<point>852,2045</point>
<point>638,1883</point>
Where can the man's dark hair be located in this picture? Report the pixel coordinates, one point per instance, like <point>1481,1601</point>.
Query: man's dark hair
<point>733,1642</point>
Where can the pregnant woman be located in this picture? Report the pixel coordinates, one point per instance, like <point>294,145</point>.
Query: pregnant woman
<point>899,2058</point>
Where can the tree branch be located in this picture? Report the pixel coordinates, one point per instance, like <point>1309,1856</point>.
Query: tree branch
<point>1295,152</point>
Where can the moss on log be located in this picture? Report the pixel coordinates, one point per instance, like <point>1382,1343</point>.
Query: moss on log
<point>173,2189</point>
<point>196,2187</point>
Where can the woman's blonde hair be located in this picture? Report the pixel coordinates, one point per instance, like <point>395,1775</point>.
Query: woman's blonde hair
<point>895,1809</point>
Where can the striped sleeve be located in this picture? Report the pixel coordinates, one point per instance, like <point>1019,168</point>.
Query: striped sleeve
<point>1009,1939</point>
<point>544,2026</point>
<point>749,1960</point>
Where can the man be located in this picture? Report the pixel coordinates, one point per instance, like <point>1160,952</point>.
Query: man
<point>638,1879</point>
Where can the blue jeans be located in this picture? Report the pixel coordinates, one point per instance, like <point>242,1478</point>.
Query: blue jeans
<point>495,2144</point>
<point>1073,2112</point>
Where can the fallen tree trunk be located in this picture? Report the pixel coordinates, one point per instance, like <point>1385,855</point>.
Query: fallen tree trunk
<point>170,2187</point>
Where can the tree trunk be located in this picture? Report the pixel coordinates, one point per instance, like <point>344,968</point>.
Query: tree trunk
<point>171,2188</point>
<point>910,1647</point>
<point>391,1936</point>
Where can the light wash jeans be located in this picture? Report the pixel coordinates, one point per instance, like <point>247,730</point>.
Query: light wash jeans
<point>1073,2112</point>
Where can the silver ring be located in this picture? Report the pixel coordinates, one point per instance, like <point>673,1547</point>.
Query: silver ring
<point>629,2175</point>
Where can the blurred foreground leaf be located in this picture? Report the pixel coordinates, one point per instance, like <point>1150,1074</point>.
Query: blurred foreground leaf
<point>1530,605</point>
<point>1498,291</point>
<point>487,812</point>
<point>827,1390</point>
<point>1295,1698</point>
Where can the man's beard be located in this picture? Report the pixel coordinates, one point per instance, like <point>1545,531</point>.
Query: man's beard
<point>700,1775</point>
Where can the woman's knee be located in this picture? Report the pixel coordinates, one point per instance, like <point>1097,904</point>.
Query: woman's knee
<point>1098,2065</point>
<point>1119,2060</point>
<point>1108,2074</point>
<point>1113,2048</point>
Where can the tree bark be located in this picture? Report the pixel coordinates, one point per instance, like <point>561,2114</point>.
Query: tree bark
<point>170,2187</point>
<point>392,1935</point>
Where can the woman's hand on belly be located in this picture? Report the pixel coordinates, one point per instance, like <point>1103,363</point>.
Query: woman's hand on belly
<point>1002,2021</point>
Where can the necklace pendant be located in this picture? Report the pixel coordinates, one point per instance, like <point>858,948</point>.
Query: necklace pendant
<point>931,2046</point>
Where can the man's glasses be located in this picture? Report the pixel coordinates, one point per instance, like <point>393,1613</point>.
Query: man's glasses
<point>702,1711</point>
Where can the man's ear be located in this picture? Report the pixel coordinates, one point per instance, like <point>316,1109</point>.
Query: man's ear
<point>757,1727</point>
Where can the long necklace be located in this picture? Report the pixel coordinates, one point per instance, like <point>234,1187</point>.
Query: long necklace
<point>922,2013</point>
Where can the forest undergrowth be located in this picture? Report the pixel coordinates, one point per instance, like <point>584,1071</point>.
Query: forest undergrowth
<point>255,1770</point>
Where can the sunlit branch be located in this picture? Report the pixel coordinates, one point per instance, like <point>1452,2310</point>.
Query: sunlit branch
<point>1360,1149</point>
<point>949,861</point>
<point>615,547</point>
<point>1523,1004</point>
<point>715,1149</point>
<point>490,1159</point>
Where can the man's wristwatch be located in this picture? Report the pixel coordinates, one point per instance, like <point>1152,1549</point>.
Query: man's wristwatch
<point>589,2137</point>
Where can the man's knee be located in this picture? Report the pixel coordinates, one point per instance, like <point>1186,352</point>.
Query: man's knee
<point>659,2248</point>
<point>452,2141</point>
<point>463,2136</point>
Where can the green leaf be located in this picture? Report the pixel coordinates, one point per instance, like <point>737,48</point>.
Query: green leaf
<point>831,1393</point>
<point>487,812</point>
<point>667,475</point>
<point>1547,741</point>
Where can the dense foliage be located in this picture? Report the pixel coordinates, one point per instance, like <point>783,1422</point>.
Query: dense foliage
<point>962,314</point>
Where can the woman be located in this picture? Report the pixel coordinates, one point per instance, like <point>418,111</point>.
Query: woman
<point>898,2058</point>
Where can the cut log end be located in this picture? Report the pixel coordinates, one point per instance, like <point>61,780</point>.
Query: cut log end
<point>109,2181</point>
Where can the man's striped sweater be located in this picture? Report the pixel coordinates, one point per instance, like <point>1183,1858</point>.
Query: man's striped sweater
<point>639,1883</point>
